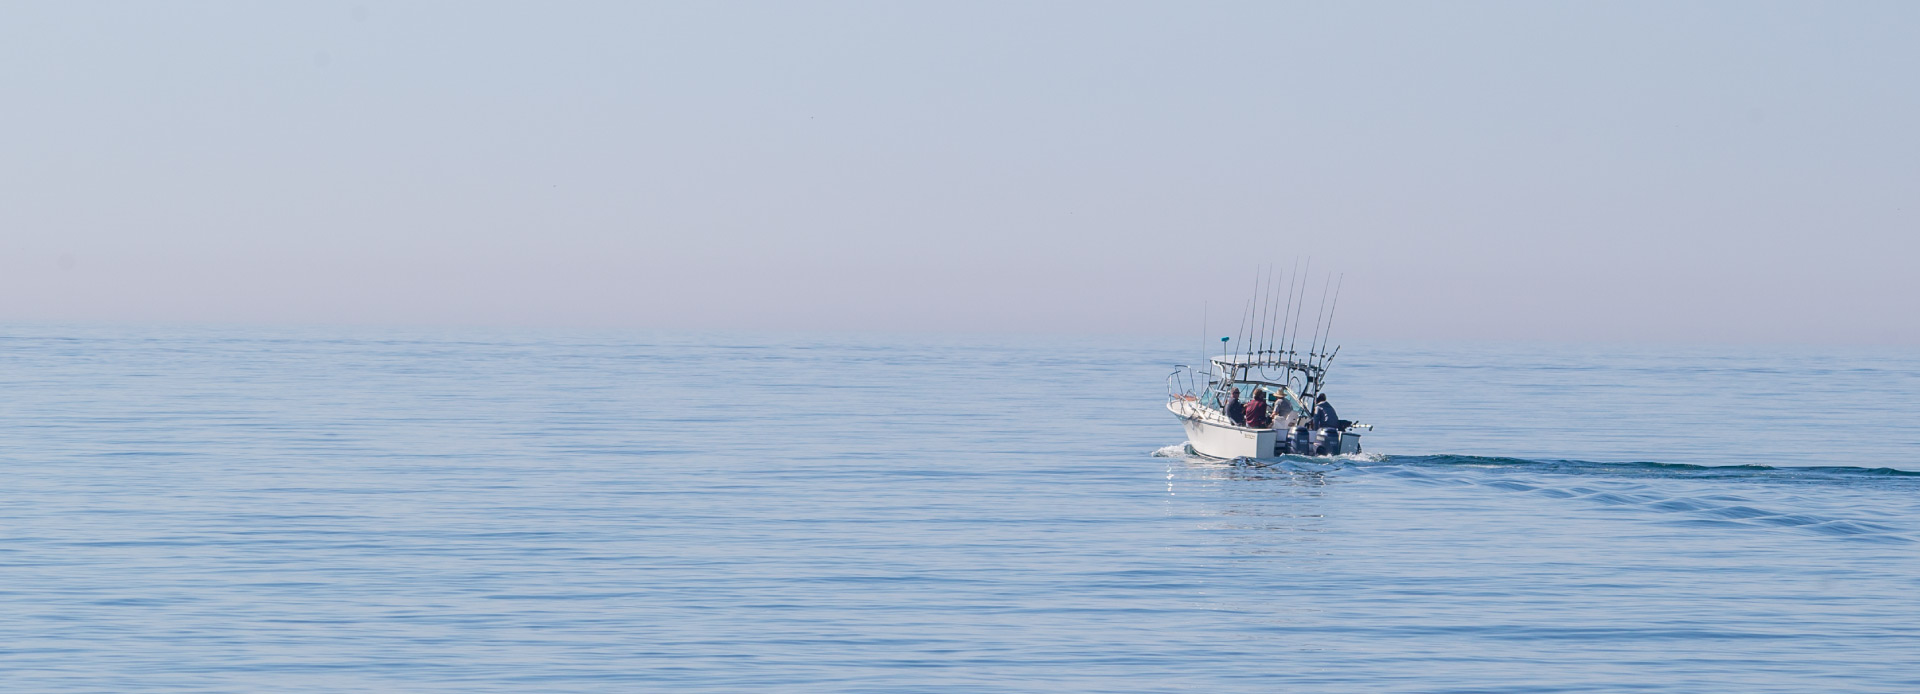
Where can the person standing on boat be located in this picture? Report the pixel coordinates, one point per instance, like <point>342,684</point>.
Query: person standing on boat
<point>1323,415</point>
<point>1256,411</point>
<point>1233,408</point>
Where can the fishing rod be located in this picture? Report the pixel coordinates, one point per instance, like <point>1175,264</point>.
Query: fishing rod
<point>1331,312</point>
<point>1266,309</point>
<point>1322,371</point>
<point>1273,325</point>
<point>1299,306</point>
<point>1246,314</point>
<point>1272,304</point>
<point>1225,348</point>
<point>1223,354</point>
<point>1266,322</point>
<point>1259,312</point>
<point>1294,341</point>
<point>1289,307</point>
<point>1253,320</point>
<point>1311,355</point>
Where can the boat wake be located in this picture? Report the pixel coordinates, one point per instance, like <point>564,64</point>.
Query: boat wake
<point>1831,501</point>
<point>1642,469</point>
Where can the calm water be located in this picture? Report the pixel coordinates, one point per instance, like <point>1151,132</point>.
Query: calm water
<point>284,510</point>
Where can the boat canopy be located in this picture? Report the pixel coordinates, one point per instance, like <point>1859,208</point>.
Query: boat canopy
<point>1271,360</point>
<point>1243,366</point>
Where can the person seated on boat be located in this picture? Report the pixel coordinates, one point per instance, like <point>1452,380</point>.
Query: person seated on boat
<point>1256,411</point>
<point>1282,409</point>
<point>1323,415</point>
<point>1234,410</point>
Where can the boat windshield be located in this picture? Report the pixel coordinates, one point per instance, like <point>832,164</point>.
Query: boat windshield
<point>1218,396</point>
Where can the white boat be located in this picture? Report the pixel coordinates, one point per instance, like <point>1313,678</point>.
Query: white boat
<point>1273,364</point>
<point>1197,397</point>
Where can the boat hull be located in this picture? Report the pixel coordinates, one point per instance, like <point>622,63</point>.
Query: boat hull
<point>1227,441</point>
<point>1214,438</point>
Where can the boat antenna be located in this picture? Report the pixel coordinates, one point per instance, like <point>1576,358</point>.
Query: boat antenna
<point>1223,353</point>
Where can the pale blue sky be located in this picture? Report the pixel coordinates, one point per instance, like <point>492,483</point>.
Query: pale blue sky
<point>1614,171</point>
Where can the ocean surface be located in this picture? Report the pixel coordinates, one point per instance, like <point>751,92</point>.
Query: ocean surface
<point>326,510</point>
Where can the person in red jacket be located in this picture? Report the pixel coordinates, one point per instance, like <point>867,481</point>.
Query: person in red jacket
<point>1256,411</point>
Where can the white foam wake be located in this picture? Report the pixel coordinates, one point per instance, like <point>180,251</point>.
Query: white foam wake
<point>1175,451</point>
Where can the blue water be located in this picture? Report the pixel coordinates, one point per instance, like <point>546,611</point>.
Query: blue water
<point>252,510</point>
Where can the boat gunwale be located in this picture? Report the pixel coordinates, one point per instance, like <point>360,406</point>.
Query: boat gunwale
<point>1209,422</point>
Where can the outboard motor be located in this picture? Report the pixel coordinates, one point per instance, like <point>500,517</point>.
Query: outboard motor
<point>1326,441</point>
<point>1302,439</point>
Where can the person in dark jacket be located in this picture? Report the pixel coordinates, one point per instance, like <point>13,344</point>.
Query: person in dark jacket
<point>1235,411</point>
<point>1323,415</point>
<point>1256,411</point>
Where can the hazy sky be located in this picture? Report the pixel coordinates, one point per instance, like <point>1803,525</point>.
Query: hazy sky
<point>1737,171</point>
